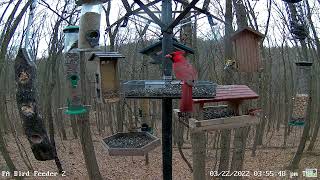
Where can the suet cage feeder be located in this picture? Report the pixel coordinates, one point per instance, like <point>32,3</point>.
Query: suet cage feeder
<point>89,33</point>
<point>72,69</point>
<point>131,144</point>
<point>297,18</point>
<point>107,84</point>
<point>155,50</point>
<point>302,96</point>
<point>159,89</point>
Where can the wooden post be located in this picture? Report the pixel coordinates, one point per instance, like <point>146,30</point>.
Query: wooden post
<point>198,141</point>
<point>83,119</point>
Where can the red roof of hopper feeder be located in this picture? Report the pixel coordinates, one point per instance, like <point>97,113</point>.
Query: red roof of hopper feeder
<point>230,93</point>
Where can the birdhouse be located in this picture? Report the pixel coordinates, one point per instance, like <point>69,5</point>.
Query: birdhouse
<point>154,50</point>
<point>246,50</point>
<point>107,82</point>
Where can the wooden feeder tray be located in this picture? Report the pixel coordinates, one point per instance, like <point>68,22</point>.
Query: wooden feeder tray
<point>131,143</point>
<point>221,117</point>
<point>158,89</point>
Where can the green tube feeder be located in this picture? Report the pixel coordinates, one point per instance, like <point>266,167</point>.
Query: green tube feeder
<point>74,80</point>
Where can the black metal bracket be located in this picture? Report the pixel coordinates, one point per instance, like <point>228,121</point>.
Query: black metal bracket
<point>150,13</point>
<point>181,15</point>
<point>130,13</point>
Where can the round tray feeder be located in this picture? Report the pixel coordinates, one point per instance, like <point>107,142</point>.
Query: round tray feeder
<point>302,97</point>
<point>131,144</point>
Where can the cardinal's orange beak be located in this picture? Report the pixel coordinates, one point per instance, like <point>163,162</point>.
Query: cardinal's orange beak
<point>168,56</point>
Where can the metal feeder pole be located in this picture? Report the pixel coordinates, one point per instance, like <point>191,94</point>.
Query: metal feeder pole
<point>167,47</point>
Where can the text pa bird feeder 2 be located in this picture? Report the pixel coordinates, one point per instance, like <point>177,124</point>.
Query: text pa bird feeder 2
<point>131,144</point>
<point>246,47</point>
<point>302,96</point>
<point>89,33</point>
<point>107,84</point>
<point>154,50</point>
<point>72,69</point>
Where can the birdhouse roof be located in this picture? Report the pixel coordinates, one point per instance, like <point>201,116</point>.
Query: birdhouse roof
<point>156,47</point>
<point>105,55</point>
<point>241,31</point>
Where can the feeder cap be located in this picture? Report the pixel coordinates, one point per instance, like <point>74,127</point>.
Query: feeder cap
<point>292,1</point>
<point>304,63</point>
<point>71,29</point>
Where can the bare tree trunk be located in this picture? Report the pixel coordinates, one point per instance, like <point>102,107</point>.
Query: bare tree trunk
<point>84,127</point>
<point>6,156</point>
<point>228,79</point>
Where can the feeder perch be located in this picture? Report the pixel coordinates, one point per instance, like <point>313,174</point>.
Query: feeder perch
<point>246,50</point>
<point>302,97</point>
<point>107,82</point>
<point>131,144</point>
<point>154,50</point>
<point>158,89</point>
<point>76,110</point>
<point>221,117</point>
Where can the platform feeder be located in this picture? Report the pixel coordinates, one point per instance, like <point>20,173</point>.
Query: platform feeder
<point>302,96</point>
<point>107,84</point>
<point>131,143</point>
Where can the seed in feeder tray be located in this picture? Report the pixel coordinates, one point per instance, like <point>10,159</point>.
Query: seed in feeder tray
<point>110,94</point>
<point>300,103</point>
<point>171,90</point>
<point>128,140</point>
<point>217,112</point>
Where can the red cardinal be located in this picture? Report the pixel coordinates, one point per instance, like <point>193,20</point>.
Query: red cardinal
<point>185,72</point>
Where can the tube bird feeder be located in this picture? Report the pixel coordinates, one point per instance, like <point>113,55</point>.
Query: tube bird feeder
<point>72,69</point>
<point>302,96</point>
<point>89,33</point>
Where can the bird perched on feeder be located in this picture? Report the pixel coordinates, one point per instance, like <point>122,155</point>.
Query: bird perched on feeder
<point>187,74</point>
